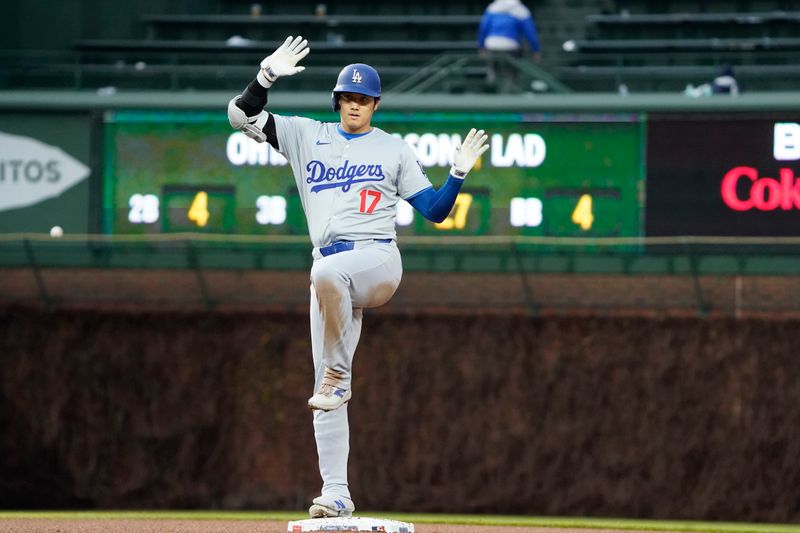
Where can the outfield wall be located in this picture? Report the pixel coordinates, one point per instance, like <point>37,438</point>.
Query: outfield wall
<point>651,418</point>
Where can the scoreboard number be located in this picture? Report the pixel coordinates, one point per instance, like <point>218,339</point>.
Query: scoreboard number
<point>457,218</point>
<point>198,212</point>
<point>582,215</point>
<point>144,209</point>
<point>526,212</point>
<point>270,210</point>
<point>405,213</point>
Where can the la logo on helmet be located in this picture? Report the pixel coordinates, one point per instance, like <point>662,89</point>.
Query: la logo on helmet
<point>356,76</point>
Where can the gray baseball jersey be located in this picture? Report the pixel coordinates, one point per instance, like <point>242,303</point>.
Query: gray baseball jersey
<point>349,188</point>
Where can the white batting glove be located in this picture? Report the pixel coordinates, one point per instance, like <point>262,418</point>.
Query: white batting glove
<point>283,60</point>
<point>251,126</point>
<point>468,153</point>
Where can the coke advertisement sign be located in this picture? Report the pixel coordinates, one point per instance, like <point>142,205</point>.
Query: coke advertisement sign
<point>762,193</point>
<point>727,175</point>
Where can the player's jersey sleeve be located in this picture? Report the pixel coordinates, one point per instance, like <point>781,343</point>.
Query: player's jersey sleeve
<point>292,133</point>
<point>411,178</point>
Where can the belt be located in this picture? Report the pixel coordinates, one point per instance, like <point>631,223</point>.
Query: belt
<point>343,246</point>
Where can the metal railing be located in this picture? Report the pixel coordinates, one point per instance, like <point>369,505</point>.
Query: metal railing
<point>713,255</point>
<point>703,276</point>
<point>451,68</point>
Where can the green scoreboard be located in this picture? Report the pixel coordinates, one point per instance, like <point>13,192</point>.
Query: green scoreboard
<point>544,174</point>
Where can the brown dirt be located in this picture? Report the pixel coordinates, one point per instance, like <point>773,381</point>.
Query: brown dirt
<point>35,525</point>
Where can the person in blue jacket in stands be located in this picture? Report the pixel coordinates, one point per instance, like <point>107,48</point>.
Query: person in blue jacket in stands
<point>504,27</point>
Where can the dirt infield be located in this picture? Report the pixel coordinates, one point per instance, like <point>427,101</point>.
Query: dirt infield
<point>36,525</point>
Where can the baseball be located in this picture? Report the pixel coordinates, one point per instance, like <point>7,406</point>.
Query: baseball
<point>56,231</point>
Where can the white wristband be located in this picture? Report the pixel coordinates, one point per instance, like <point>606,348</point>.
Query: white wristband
<point>263,80</point>
<point>456,173</point>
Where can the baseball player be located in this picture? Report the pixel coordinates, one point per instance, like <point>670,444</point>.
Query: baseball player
<point>350,176</point>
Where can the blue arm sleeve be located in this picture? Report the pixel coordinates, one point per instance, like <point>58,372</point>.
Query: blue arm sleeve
<point>436,205</point>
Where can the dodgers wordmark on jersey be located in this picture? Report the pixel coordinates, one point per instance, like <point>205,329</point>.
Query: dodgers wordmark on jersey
<point>349,187</point>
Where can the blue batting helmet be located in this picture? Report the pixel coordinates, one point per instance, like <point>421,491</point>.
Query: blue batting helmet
<point>357,78</point>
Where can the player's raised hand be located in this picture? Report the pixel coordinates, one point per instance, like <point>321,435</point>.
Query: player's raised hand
<point>283,61</point>
<point>468,153</point>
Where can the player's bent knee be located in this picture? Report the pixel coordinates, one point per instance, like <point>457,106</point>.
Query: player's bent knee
<point>327,280</point>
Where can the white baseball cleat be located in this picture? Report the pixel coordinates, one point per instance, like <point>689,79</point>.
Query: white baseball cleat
<point>331,506</point>
<point>329,398</point>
